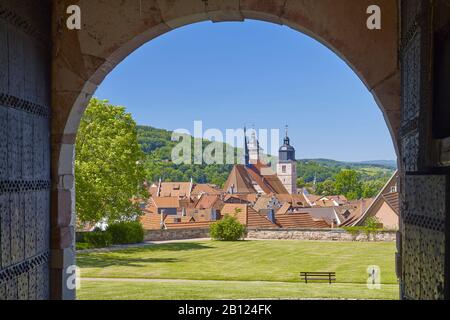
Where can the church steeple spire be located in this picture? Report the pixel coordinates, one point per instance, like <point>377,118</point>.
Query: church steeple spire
<point>247,154</point>
<point>287,141</point>
<point>252,148</point>
<point>287,152</point>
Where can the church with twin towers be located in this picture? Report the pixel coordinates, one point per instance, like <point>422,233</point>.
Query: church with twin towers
<point>256,176</point>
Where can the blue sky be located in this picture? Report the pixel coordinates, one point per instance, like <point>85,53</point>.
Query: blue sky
<point>231,74</point>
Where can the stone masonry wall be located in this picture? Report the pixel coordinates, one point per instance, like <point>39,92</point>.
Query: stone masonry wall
<point>273,234</point>
<point>176,234</point>
<point>319,235</point>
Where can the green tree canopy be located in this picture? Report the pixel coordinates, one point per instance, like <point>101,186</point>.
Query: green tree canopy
<point>347,182</point>
<point>301,182</point>
<point>108,165</point>
<point>372,188</point>
<point>325,188</point>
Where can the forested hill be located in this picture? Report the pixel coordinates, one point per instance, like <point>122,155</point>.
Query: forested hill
<point>326,169</point>
<point>157,145</point>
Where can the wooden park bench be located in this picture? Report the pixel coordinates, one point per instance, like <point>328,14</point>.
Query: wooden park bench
<point>330,277</point>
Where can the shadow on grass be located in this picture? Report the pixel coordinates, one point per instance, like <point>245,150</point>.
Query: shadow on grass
<point>103,261</point>
<point>180,246</point>
<point>125,258</point>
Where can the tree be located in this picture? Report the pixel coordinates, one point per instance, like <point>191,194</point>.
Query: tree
<point>371,188</point>
<point>347,183</point>
<point>108,165</point>
<point>325,188</point>
<point>301,183</point>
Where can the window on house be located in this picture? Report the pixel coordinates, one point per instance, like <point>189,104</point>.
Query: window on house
<point>283,169</point>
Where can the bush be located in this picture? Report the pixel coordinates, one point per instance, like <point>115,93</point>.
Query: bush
<point>227,229</point>
<point>354,231</point>
<point>126,232</point>
<point>83,246</point>
<point>372,223</point>
<point>97,239</point>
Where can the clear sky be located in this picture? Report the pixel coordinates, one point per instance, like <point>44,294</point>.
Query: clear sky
<point>231,74</point>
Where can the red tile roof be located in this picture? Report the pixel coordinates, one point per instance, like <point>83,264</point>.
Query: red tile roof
<point>208,202</point>
<point>166,202</point>
<point>239,181</point>
<point>299,220</point>
<point>257,220</point>
<point>356,209</point>
<point>392,199</point>
<point>175,189</point>
<point>205,189</point>
<point>296,200</point>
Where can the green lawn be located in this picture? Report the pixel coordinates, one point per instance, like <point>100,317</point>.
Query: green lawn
<point>215,291</point>
<point>267,261</point>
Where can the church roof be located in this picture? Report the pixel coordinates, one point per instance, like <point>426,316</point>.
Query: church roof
<point>242,178</point>
<point>239,181</point>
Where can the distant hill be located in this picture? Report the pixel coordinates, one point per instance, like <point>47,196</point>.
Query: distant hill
<point>157,145</point>
<point>391,164</point>
<point>326,169</point>
<point>384,163</point>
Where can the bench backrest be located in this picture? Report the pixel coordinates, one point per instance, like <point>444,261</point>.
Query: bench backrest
<point>318,274</point>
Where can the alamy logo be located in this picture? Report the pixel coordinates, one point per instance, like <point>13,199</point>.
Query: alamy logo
<point>374,20</point>
<point>73,281</point>
<point>374,279</point>
<point>74,20</point>
<point>223,148</point>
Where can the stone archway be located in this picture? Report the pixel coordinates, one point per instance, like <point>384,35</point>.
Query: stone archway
<point>111,30</point>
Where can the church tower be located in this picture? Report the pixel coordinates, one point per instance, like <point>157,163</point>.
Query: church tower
<point>287,166</point>
<point>252,149</point>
